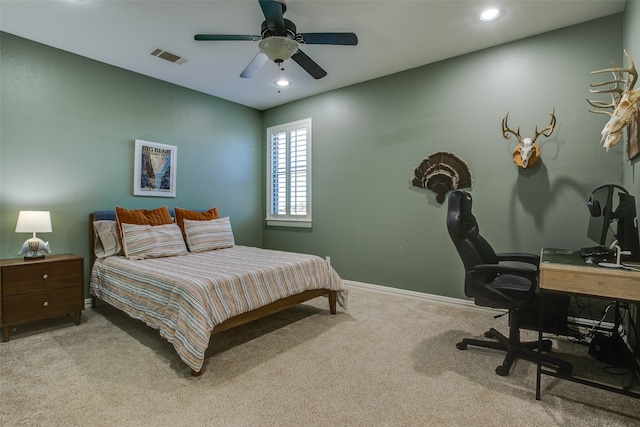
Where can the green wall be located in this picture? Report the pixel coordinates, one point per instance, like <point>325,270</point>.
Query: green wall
<point>67,131</point>
<point>67,126</point>
<point>367,139</point>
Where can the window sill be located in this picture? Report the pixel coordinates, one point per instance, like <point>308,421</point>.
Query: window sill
<point>289,223</point>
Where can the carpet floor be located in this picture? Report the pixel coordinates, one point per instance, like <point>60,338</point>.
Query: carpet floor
<point>386,361</point>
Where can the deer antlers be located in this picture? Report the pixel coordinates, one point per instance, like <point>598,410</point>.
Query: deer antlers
<point>528,150</point>
<point>623,102</point>
<point>506,129</point>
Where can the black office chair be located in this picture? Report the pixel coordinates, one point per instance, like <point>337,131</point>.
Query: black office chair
<point>511,286</point>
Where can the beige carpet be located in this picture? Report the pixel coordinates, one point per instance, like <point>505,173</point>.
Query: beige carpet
<point>387,361</point>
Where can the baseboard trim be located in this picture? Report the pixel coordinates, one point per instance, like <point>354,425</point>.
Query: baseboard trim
<point>457,302</point>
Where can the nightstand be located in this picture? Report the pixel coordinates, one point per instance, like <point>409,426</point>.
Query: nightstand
<point>32,290</point>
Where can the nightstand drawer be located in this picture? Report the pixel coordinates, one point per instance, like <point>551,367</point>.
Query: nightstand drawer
<point>41,304</point>
<point>41,276</point>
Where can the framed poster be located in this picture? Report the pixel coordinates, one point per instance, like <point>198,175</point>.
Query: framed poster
<point>154,169</point>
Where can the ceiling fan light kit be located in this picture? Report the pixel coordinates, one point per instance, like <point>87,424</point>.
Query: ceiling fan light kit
<point>279,41</point>
<point>278,49</point>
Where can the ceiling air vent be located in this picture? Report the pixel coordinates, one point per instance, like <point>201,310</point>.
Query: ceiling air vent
<point>168,56</point>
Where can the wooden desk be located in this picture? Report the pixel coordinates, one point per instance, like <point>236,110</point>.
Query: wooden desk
<point>565,271</point>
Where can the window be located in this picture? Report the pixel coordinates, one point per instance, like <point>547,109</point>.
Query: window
<point>289,174</point>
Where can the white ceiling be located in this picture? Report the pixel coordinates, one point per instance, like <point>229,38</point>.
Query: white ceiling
<point>393,35</point>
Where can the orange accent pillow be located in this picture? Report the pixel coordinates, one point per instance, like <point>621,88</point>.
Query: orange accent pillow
<point>182,214</point>
<point>158,216</point>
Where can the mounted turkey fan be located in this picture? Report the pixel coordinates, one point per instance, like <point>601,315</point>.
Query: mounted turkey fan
<point>279,41</point>
<point>442,172</point>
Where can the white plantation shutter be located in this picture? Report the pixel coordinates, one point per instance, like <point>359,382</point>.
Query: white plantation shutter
<point>289,174</point>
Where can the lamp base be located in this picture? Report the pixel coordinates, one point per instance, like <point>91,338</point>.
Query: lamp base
<point>33,249</point>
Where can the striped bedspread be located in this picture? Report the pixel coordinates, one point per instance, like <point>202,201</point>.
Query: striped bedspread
<point>185,297</point>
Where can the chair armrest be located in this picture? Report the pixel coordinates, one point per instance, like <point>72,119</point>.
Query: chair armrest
<point>482,270</point>
<point>520,257</point>
<point>526,273</point>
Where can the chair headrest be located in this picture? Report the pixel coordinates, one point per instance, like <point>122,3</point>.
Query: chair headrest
<point>460,220</point>
<point>460,201</point>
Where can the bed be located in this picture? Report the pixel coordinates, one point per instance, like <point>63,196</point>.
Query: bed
<point>189,295</point>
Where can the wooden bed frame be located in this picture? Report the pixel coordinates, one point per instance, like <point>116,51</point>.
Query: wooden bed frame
<point>240,319</point>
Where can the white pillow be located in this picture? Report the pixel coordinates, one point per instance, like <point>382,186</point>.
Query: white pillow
<point>105,239</point>
<point>208,235</point>
<point>147,241</point>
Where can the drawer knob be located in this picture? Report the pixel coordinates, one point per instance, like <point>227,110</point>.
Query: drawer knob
<point>46,304</point>
<point>46,276</point>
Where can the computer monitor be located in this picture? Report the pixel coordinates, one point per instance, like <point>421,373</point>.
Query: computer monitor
<point>609,206</point>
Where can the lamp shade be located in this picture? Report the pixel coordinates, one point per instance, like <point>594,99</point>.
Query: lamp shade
<point>34,222</point>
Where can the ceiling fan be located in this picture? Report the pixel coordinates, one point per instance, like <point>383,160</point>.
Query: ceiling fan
<point>279,41</point>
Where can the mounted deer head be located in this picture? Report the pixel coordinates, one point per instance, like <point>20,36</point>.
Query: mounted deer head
<point>527,151</point>
<point>625,103</point>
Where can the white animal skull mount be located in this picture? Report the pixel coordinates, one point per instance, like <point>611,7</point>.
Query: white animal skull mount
<point>527,151</point>
<point>625,103</point>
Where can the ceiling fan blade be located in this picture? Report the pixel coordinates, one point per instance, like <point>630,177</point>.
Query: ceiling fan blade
<point>254,66</point>
<point>274,14</point>
<point>347,39</point>
<point>225,37</point>
<point>308,64</point>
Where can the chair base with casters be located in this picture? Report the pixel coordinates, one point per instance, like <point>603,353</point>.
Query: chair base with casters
<point>517,349</point>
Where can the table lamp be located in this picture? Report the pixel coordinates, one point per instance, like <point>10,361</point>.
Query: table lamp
<point>34,222</point>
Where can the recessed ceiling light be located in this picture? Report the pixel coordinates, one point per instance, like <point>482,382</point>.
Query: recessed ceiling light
<point>489,14</point>
<point>282,82</point>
